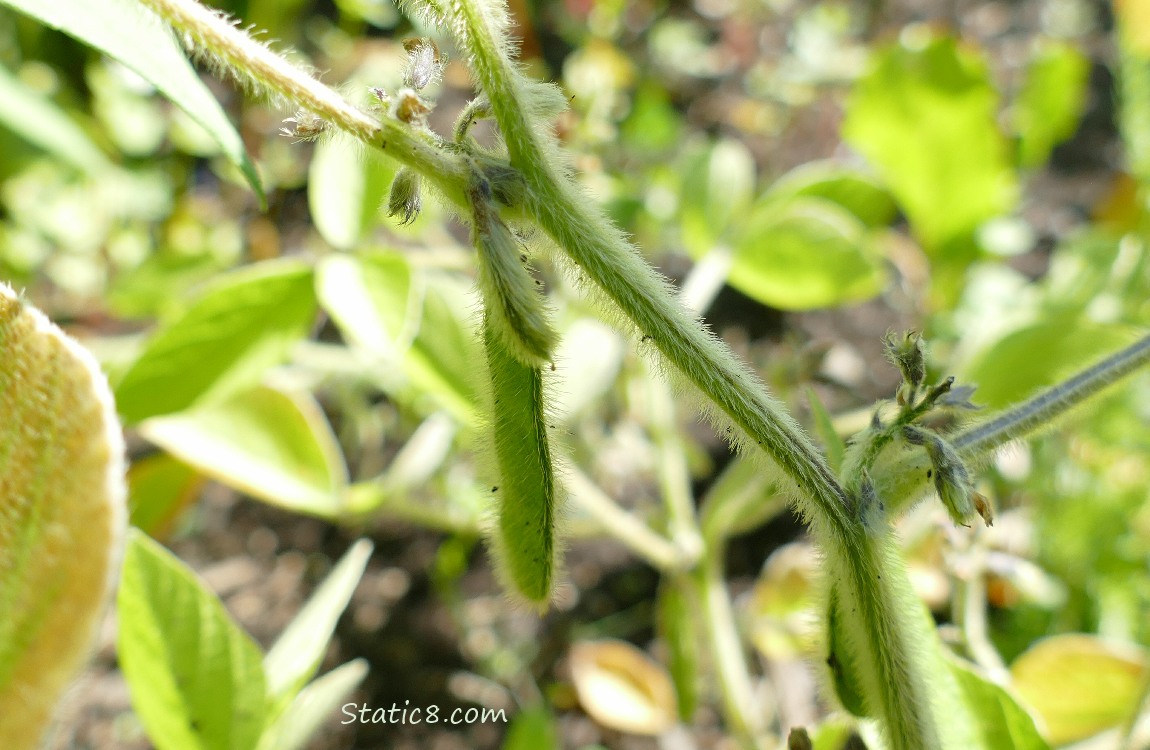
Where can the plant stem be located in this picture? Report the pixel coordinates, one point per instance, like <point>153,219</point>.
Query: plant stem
<point>1044,408</point>
<point>861,557</point>
<point>621,525</point>
<point>730,663</point>
<point>254,64</point>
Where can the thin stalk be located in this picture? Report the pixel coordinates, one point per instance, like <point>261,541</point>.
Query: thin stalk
<point>730,663</point>
<point>255,65</point>
<point>1044,408</point>
<point>619,524</point>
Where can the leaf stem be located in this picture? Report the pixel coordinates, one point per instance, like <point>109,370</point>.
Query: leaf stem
<point>1045,407</point>
<point>258,66</point>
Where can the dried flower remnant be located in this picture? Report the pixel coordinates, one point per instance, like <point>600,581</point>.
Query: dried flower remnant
<point>425,63</point>
<point>411,108</point>
<point>305,126</point>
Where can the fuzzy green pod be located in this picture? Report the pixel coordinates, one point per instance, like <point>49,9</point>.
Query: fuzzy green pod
<point>405,200</point>
<point>525,536</point>
<point>514,305</point>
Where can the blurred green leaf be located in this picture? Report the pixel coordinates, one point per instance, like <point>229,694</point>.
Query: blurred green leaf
<point>1051,100</point>
<point>1038,355</point>
<point>1079,684</point>
<point>162,277</point>
<point>313,707</point>
<point>742,498</point>
<point>159,488</point>
<point>273,445</point>
<point>653,123</point>
<point>441,360</point>
<point>718,185</point>
<point>374,299</point>
<point>38,120</point>
<point>1001,724</point>
<point>1134,85</point>
<point>533,729</point>
<point>130,33</point>
<point>195,676</point>
<point>855,191</point>
<point>298,651</point>
<point>346,186</point>
<point>806,254</point>
<point>926,118</point>
<point>245,322</point>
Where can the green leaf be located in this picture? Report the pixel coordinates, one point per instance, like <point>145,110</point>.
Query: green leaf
<point>160,487</point>
<point>1001,724</point>
<point>299,650</point>
<point>271,444</point>
<point>1051,100</point>
<point>244,323</point>
<point>128,32</point>
<point>806,254</point>
<point>718,185</point>
<point>312,707</point>
<point>374,299</point>
<point>857,192</point>
<point>743,498</point>
<point>1079,684</point>
<point>62,514</point>
<point>195,677</point>
<point>346,186</point>
<point>38,120</point>
<point>1038,355</point>
<point>924,116</point>
<point>532,730</point>
<point>441,360</point>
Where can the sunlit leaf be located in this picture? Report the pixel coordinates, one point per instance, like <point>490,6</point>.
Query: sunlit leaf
<point>622,688</point>
<point>242,324</point>
<point>62,514</point>
<point>298,651</point>
<point>346,186</point>
<point>925,118</point>
<point>374,298</point>
<point>271,444</point>
<point>130,33</point>
<point>1051,101</point>
<point>1079,684</point>
<point>855,191</point>
<point>1001,724</point>
<point>807,254</point>
<point>1038,355</point>
<point>196,677</point>
<point>313,706</point>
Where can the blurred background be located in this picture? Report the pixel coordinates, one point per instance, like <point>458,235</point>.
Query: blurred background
<point>810,175</point>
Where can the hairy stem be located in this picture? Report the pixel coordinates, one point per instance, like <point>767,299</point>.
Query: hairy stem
<point>1044,408</point>
<point>254,64</point>
<point>890,618</point>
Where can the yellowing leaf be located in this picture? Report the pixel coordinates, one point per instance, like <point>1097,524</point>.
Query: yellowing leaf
<point>62,514</point>
<point>1079,684</point>
<point>623,688</point>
